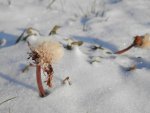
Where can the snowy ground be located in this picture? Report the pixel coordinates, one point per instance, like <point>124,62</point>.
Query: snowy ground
<point>104,86</point>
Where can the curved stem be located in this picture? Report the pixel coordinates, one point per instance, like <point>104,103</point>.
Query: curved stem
<point>124,50</point>
<point>39,81</point>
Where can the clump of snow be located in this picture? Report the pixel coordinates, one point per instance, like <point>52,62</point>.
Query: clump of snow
<point>100,81</point>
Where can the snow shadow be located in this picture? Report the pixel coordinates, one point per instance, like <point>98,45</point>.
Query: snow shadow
<point>114,1</point>
<point>93,40</point>
<point>139,63</point>
<point>84,20</point>
<point>17,82</point>
<point>7,39</point>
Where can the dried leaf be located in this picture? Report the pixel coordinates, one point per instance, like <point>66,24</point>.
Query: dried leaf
<point>79,43</point>
<point>32,31</point>
<point>131,68</point>
<point>54,30</point>
<point>108,52</point>
<point>67,79</point>
<point>96,47</point>
<point>68,47</point>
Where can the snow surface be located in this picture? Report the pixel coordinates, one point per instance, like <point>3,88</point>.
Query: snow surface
<point>104,86</point>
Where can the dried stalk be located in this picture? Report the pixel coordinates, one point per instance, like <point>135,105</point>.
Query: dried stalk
<point>67,79</point>
<point>8,100</point>
<point>49,71</point>
<point>39,81</point>
<point>43,56</point>
<point>54,30</point>
<point>138,41</point>
<point>20,37</point>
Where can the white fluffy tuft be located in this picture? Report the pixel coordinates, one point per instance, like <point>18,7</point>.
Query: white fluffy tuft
<point>146,40</point>
<point>49,52</point>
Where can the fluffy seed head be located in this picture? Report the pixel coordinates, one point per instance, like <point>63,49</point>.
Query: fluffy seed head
<point>47,52</point>
<point>146,40</point>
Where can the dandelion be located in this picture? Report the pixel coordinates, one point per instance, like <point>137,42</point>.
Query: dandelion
<point>139,41</point>
<point>44,54</point>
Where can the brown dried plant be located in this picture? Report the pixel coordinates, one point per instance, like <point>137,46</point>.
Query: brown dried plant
<point>139,41</point>
<point>44,54</point>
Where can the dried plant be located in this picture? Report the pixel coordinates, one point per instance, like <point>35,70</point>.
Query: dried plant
<point>133,67</point>
<point>146,41</point>
<point>72,43</point>
<point>7,100</point>
<point>47,52</point>
<point>26,33</point>
<point>96,47</point>
<point>44,55</point>
<point>32,31</point>
<point>67,79</point>
<point>95,59</point>
<point>138,42</point>
<point>20,37</point>
<point>108,52</point>
<point>54,30</point>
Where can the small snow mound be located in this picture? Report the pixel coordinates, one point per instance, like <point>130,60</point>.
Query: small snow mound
<point>78,52</point>
<point>32,39</point>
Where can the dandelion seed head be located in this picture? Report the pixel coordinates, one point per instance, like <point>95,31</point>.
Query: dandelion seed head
<point>48,52</point>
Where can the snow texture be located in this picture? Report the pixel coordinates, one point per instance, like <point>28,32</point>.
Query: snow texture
<point>101,81</point>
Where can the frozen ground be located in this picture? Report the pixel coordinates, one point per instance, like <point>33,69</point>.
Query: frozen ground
<point>104,86</point>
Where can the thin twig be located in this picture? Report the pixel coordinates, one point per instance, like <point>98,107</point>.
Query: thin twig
<point>19,38</point>
<point>54,30</point>
<point>7,100</point>
<point>67,79</point>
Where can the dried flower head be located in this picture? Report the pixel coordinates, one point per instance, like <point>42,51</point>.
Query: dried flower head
<point>31,31</point>
<point>139,41</point>
<point>146,40</point>
<point>46,53</point>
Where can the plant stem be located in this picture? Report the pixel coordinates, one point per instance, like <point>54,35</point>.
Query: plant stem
<point>138,41</point>
<point>124,50</point>
<point>19,38</point>
<point>39,81</point>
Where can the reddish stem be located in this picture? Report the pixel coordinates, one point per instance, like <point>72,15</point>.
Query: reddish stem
<point>39,81</point>
<point>138,41</point>
<point>124,50</point>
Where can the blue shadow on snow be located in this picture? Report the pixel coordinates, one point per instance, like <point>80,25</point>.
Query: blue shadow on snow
<point>100,42</point>
<point>17,82</point>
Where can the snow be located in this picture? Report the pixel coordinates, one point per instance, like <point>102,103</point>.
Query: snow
<point>100,80</point>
